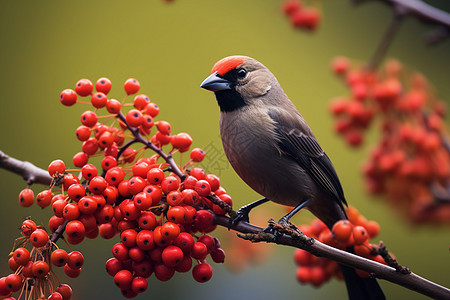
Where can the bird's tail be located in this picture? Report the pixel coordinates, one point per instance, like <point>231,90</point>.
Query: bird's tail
<point>359,288</point>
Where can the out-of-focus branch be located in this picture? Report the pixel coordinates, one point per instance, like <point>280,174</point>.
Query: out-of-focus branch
<point>29,172</point>
<point>415,8</point>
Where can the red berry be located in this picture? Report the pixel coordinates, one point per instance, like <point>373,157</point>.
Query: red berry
<point>170,231</point>
<point>99,100</point>
<point>55,296</point>
<point>26,197</point>
<point>155,176</point>
<point>97,185</point>
<point>40,268</point>
<point>147,220</point>
<point>360,235</point>
<point>176,214</point>
<point>131,86</point>
<point>197,155</point>
<point>72,273</point>
<point>59,257</point>
<point>71,211</point>
<point>202,272</point>
<point>123,279</point>
<point>164,127</point>
<point>89,118</point>
<point>203,220</point>
<point>65,290</point>
<point>75,229</point>
<point>114,176</point>
<point>113,106</point>
<point>56,167</point>
<point>185,242</point>
<point>203,188</point>
<point>108,162</point>
<point>181,141</point>
<point>21,256</point>
<point>84,87</point>
<point>199,250</point>
<point>170,183</point>
<point>68,97</point>
<point>144,240</point>
<point>13,282</point>
<point>141,101</point>
<point>134,118</point>
<point>152,110</point>
<point>342,231</point>
<point>171,256</point>
<point>39,238</point>
<point>139,285</point>
<point>163,272</point>
<point>80,159</point>
<point>103,85</point>
<point>128,238</point>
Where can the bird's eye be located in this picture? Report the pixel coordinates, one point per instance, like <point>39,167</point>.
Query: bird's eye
<point>241,73</point>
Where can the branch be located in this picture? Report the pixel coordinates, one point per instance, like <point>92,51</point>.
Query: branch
<point>293,238</point>
<point>299,240</point>
<point>29,172</point>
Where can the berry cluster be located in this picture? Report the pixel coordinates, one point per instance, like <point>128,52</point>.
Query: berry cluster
<point>33,275</point>
<point>412,158</point>
<point>301,17</point>
<point>162,211</point>
<point>354,232</point>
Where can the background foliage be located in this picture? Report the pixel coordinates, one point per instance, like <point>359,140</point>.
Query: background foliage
<point>46,46</point>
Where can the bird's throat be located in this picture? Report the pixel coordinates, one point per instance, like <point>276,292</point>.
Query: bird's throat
<point>229,100</point>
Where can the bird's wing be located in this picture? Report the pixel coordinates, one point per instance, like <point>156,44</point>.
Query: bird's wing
<point>306,151</point>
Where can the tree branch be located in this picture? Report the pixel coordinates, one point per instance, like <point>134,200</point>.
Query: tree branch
<point>29,172</point>
<point>299,240</point>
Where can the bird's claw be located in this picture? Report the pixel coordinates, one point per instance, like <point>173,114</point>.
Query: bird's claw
<point>242,215</point>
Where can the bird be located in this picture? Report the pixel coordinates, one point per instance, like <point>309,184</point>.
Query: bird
<point>274,151</point>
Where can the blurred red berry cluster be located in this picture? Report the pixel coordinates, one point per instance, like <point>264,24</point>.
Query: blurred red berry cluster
<point>354,232</point>
<point>160,210</point>
<point>410,163</point>
<point>301,16</point>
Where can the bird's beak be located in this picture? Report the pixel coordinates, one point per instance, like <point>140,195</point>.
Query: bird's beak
<point>215,83</point>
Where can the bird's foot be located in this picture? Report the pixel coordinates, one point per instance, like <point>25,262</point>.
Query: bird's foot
<point>242,215</point>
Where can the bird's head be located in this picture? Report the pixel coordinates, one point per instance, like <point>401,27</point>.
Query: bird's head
<point>239,81</point>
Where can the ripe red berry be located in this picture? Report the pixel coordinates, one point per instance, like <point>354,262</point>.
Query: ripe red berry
<point>56,167</point>
<point>40,268</point>
<point>141,101</point>
<point>72,273</point>
<point>68,97</point>
<point>202,272</point>
<point>147,220</point>
<point>163,272</point>
<point>139,285</point>
<point>164,127</point>
<point>87,205</point>
<point>103,85</point>
<point>203,188</point>
<point>360,235</point>
<point>203,220</point>
<point>144,240</point>
<point>134,118</point>
<point>28,226</point>
<point>71,211</point>
<point>65,290</point>
<point>181,141</point>
<point>152,110</point>
<point>99,100</point>
<point>128,238</point>
<point>291,6</point>
<point>75,229</point>
<point>155,176</point>
<point>199,250</point>
<point>171,256</point>
<point>113,106</point>
<point>39,238</point>
<point>26,197</point>
<point>170,231</point>
<point>197,155</point>
<point>342,231</point>
<point>89,118</point>
<point>59,257</point>
<point>80,159</point>
<point>114,176</point>
<point>55,296</point>
<point>218,255</point>
<point>131,86</point>
<point>185,242</point>
<point>97,185</point>
<point>123,279</point>
<point>13,282</point>
<point>21,256</point>
<point>75,260</point>
<point>84,87</point>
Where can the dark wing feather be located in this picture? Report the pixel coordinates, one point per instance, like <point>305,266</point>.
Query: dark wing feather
<point>306,151</point>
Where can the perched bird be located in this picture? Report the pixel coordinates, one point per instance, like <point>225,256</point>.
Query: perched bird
<point>272,148</point>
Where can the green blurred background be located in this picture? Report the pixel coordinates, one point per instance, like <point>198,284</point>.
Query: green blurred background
<point>46,46</point>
